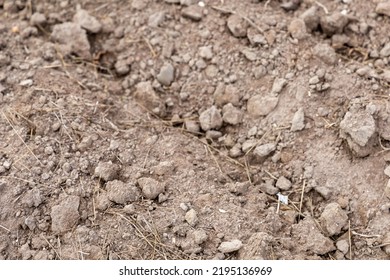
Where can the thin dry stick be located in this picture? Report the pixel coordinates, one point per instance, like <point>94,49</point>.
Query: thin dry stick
<point>302,193</point>
<point>381,245</point>
<point>322,6</point>
<point>365,235</point>
<point>247,166</point>
<point>54,249</point>
<point>3,227</point>
<point>214,158</point>
<point>150,47</point>
<point>28,148</point>
<point>350,239</point>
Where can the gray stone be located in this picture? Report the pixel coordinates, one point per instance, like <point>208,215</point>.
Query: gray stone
<point>73,39</point>
<point>30,222</point>
<point>261,105</point>
<point>298,121</point>
<point>306,234</point>
<point>333,219</point>
<point>230,246</point>
<point>86,21</point>
<point>257,248</point>
<point>343,246</point>
<point>297,29</point>
<point>278,85</point>
<point>26,83</point>
<point>249,54</point>
<point>383,8</point>
<point>65,215</point>
<point>102,202</point>
<point>385,51</point>
<point>237,26</point>
<point>231,114</point>
<point>268,187</point>
<point>107,171</point>
<point>210,119</point>
<point>122,67</point>
<point>226,94</point>
<point>32,198</point>
<point>193,12</point>
<point>334,23</point>
<point>387,171</point>
<point>156,19</point>
<point>191,217</point>
<point>199,236</point>
<point>147,97</point>
<point>359,129</point>
<point>166,75</point>
<point>150,187</point>
<point>38,19</point>
<point>311,17</point>
<point>283,183</point>
<point>264,150</point>
<point>192,126</point>
<point>206,52</point>
<point>325,53</point>
<point>139,4</point>
<point>122,193</point>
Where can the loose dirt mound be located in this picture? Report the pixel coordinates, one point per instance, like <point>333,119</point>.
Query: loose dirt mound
<point>177,129</point>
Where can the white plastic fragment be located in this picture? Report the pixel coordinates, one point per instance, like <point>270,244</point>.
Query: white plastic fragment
<point>282,198</point>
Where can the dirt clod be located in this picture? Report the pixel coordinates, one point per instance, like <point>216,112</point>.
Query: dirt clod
<point>65,215</point>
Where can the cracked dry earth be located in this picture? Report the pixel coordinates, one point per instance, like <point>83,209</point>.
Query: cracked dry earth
<point>185,129</point>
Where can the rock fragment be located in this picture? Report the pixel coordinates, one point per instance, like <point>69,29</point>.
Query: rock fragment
<point>86,21</point>
<point>298,121</point>
<point>150,187</point>
<point>297,29</point>
<point>148,98</point>
<point>283,183</point>
<point>226,94</point>
<point>191,217</point>
<point>139,4</point>
<point>166,75</point>
<point>193,12</point>
<point>65,215</point>
<point>325,53</point>
<point>264,150</point>
<point>257,248</point>
<point>311,17</point>
<point>231,114</point>
<point>230,246</point>
<point>122,193</point>
<point>334,23</point>
<point>333,219</point>
<point>385,51</point>
<point>359,129</point>
<point>73,39</point>
<point>309,238</point>
<point>261,105</point>
<point>206,52</point>
<point>383,8</point>
<point>38,19</point>
<point>210,119</point>
<point>199,236</point>
<point>107,171</point>
<point>156,19</point>
<point>237,26</point>
<point>278,85</point>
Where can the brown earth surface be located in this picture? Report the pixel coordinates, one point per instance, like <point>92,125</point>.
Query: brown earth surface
<point>186,129</point>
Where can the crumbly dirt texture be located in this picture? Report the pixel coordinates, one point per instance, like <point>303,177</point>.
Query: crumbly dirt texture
<point>185,129</point>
